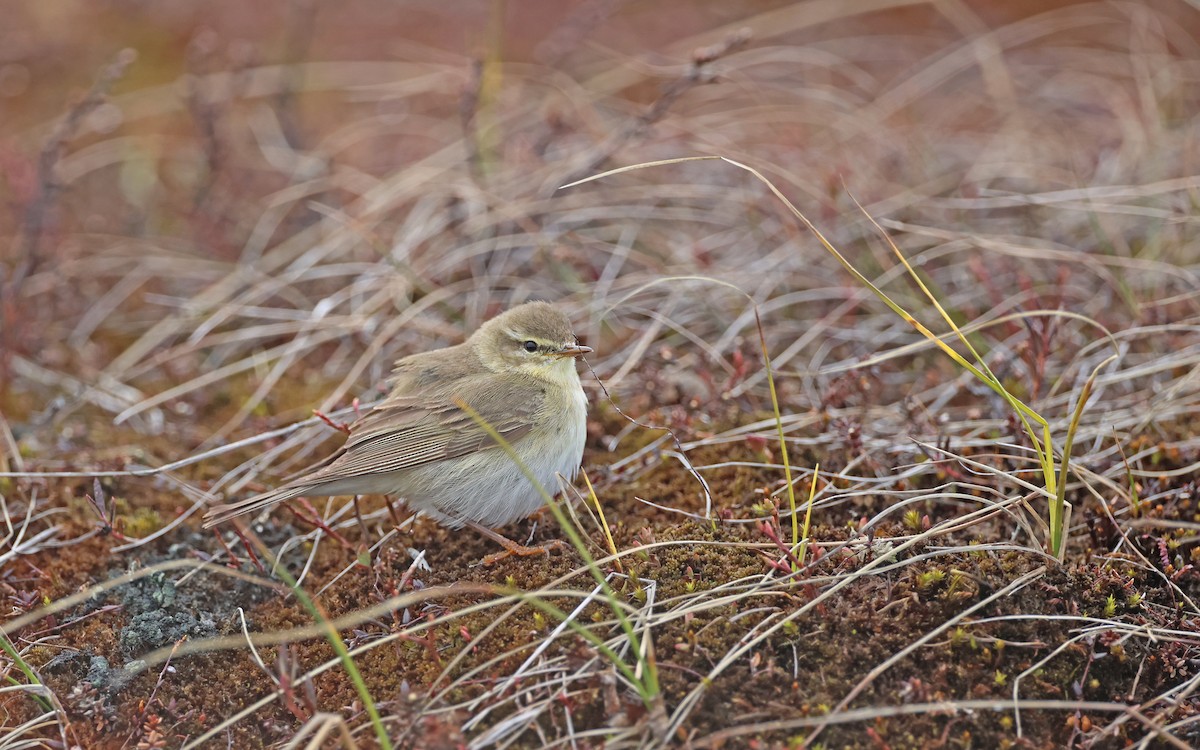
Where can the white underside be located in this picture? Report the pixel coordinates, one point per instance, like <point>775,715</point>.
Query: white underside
<point>487,487</point>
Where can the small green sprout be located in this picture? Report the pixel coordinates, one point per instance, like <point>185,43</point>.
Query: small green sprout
<point>912,520</point>
<point>930,578</point>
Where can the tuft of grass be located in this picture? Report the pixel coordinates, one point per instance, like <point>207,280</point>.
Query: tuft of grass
<point>1037,428</point>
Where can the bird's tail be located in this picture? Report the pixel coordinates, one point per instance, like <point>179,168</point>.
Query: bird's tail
<point>222,513</point>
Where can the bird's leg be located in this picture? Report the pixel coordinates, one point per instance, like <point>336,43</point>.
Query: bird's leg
<point>513,548</point>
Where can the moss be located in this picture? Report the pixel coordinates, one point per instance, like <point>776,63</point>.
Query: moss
<point>141,522</point>
<point>788,674</point>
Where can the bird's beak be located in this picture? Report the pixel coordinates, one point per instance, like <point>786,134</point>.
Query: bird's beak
<point>574,350</point>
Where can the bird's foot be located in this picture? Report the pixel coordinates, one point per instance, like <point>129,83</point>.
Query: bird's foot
<point>520,550</point>
<point>516,549</point>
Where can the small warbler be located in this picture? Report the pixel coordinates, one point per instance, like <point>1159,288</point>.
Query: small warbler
<point>517,372</point>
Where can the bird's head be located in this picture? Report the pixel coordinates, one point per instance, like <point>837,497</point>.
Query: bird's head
<point>534,338</point>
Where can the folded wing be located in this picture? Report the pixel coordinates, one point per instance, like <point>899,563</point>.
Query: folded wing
<point>406,431</point>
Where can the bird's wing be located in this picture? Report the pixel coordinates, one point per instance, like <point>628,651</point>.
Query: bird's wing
<point>410,430</point>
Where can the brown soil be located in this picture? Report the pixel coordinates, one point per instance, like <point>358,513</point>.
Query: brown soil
<point>802,670</point>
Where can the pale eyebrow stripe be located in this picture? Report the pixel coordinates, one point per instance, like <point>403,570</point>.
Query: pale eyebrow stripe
<point>519,337</point>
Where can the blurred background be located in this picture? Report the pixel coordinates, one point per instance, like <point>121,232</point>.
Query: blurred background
<point>220,216</point>
<point>235,188</point>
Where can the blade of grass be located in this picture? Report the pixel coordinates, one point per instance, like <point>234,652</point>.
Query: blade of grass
<point>612,547</point>
<point>812,494</point>
<point>11,649</point>
<point>787,466</point>
<point>339,648</point>
<point>1059,504</point>
<point>647,686</point>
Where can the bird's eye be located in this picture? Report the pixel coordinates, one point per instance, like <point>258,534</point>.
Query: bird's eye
<point>530,346</point>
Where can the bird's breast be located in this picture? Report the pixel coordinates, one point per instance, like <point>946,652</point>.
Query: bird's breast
<point>559,446</point>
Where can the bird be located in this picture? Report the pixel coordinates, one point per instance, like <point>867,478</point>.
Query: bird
<point>517,373</point>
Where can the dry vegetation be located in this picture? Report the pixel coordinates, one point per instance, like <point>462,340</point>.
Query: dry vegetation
<point>253,215</point>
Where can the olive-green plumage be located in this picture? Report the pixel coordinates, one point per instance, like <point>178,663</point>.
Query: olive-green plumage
<point>517,372</point>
